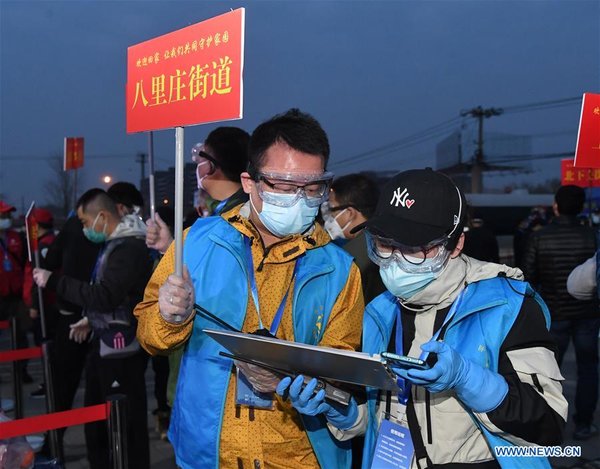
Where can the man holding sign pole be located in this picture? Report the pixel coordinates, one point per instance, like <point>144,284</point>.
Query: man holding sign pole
<point>263,266</point>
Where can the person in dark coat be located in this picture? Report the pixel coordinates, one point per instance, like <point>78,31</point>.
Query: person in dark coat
<point>551,254</point>
<point>480,241</point>
<point>115,362</point>
<point>73,255</point>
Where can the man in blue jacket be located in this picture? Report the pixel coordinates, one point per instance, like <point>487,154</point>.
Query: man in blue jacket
<point>491,381</point>
<point>263,265</point>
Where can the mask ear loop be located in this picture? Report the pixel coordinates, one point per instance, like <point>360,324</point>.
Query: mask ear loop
<point>211,171</point>
<point>347,223</point>
<point>94,222</point>
<point>213,168</point>
<point>252,204</point>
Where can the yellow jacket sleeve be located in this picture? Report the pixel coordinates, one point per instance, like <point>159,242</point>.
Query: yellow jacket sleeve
<point>156,335</point>
<point>344,327</point>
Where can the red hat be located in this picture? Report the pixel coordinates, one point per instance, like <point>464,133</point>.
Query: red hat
<point>42,215</point>
<point>5,208</point>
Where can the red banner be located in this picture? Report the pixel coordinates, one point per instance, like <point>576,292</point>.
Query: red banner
<point>582,177</point>
<point>73,156</point>
<point>187,77</point>
<point>587,151</point>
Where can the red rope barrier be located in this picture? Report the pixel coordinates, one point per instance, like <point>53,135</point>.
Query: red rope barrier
<point>20,354</point>
<point>4,325</point>
<point>42,423</point>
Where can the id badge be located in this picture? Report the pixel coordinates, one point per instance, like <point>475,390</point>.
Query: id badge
<point>246,395</point>
<point>394,448</point>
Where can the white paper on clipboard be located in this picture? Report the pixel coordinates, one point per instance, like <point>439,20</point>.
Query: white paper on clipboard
<point>297,358</point>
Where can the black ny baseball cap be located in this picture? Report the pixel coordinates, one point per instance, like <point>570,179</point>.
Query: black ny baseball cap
<point>417,207</point>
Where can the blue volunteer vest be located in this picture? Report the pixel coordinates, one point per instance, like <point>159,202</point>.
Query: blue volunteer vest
<point>488,311</point>
<point>214,254</point>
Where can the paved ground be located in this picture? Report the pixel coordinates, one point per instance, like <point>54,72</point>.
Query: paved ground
<point>162,454</point>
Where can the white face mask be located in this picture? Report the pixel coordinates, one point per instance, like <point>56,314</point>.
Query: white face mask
<point>333,227</point>
<point>5,223</point>
<point>285,221</point>
<point>403,284</point>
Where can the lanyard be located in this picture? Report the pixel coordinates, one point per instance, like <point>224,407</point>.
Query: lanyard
<point>252,279</point>
<point>219,207</point>
<point>402,383</point>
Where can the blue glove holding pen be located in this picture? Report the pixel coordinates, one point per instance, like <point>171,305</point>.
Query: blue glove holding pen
<point>305,401</point>
<point>482,390</point>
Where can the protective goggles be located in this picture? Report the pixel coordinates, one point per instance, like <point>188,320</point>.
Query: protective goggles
<point>199,153</point>
<point>284,190</point>
<point>412,259</point>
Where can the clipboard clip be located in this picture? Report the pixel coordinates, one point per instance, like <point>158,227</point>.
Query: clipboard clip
<point>332,393</point>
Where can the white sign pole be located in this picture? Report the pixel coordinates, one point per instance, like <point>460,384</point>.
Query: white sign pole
<point>179,163</point>
<point>151,175</point>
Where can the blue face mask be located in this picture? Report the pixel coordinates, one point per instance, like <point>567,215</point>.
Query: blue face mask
<point>95,236</point>
<point>285,221</point>
<point>403,284</point>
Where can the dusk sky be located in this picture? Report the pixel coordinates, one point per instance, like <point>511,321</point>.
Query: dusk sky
<point>372,72</point>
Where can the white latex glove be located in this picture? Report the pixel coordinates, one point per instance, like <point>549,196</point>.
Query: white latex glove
<point>176,298</point>
<point>41,276</point>
<point>80,330</point>
<point>158,235</point>
<point>261,379</point>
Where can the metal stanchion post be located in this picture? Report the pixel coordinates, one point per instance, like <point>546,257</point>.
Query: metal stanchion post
<point>17,370</point>
<point>47,350</point>
<point>117,432</point>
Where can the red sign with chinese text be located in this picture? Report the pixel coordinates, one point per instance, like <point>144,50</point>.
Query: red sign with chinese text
<point>582,177</point>
<point>587,151</point>
<point>73,155</point>
<point>187,77</point>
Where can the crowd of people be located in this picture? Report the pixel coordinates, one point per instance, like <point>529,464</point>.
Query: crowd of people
<point>287,251</point>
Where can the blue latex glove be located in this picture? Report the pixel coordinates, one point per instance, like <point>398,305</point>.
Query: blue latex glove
<point>307,402</point>
<point>482,390</point>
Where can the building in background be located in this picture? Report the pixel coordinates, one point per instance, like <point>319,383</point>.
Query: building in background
<point>164,188</point>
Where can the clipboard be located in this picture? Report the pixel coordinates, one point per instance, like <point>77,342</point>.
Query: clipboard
<point>297,358</point>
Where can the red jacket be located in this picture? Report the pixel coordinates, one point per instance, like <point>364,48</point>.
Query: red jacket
<point>12,257</point>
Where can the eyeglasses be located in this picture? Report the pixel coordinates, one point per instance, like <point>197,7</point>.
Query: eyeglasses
<point>413,259</point>
<point>327,209</point>
<point>313,188</point>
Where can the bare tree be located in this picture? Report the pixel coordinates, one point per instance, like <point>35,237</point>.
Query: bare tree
<point>60,186</point>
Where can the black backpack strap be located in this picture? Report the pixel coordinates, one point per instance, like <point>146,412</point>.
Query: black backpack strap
<point>415,434</point>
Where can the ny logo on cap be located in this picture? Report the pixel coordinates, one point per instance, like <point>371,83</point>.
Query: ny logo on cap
<point>400,197</point>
